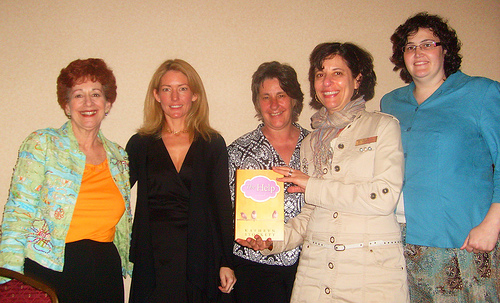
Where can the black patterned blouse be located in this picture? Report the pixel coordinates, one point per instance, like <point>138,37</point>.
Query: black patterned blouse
<point>254,151</point>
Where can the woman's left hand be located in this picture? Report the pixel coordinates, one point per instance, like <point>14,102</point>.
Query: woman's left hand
<point>293,176</point>
<point>480,240</point>
<point>227,279</point>
<point>484,237</point>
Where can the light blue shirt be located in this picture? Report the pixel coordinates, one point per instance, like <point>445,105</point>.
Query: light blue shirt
<point>451,143</point>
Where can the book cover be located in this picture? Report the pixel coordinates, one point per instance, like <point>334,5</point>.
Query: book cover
<point>259,204</point>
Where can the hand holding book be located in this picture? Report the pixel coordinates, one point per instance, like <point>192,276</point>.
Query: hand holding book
<point>293,176</point>
<point>256,243</point>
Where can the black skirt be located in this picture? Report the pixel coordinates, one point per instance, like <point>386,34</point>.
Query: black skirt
<point>92,273</point>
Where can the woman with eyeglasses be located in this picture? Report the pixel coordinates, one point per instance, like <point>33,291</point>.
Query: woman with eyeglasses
<point>450,125</point>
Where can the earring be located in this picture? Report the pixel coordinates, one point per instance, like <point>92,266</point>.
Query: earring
<point>106,114</point>
<point>68,115</point>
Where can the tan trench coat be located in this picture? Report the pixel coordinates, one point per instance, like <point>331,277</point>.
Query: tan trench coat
<point>351,240</point>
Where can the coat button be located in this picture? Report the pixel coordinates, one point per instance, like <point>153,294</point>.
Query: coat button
<point>327,290</point>
<point>330,265</point>
<point>341,146</point>
<point>337,168</point>
<point>335,215</point>
<point>385,190</point>
<point>325,170</point>
<point>332,239</point>
<point>373,196</point>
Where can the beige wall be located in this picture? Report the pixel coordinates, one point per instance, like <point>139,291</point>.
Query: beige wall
<point>225,40</point>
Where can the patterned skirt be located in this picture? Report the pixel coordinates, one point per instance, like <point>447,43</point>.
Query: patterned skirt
<point>452,275</point>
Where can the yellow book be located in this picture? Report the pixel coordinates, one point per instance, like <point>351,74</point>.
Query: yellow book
<point>260,205</point>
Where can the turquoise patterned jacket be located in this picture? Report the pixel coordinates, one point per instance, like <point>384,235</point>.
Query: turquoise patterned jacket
<point>42,197</point>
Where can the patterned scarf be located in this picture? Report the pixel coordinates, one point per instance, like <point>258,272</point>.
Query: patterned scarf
<point>326,128</point>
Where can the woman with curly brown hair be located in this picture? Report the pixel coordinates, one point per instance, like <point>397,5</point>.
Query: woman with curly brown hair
<point>450,125</point>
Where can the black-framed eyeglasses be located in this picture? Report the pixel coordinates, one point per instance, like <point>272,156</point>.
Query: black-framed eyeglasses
<point>425,46</point>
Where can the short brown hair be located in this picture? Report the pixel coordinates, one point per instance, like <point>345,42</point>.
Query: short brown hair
<point>357,59</point>
<point>287,78</point>
<point>440,28</point>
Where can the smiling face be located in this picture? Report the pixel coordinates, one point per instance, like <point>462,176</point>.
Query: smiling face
<point>425,65</point>
<point>335,84</point>
<point>175,95</point>
<point>275,105</point>
<point>87,106</point>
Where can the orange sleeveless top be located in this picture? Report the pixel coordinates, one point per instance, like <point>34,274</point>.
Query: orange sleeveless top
<point>98,208</point>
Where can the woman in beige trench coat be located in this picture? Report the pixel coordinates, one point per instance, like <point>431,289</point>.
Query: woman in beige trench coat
<point>352,173</point>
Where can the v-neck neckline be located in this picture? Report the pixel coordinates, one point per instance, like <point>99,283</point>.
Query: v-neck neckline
<point>188,153</point>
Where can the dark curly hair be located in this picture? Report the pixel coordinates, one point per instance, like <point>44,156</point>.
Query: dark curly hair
<point>358,60</point>
<point>287,78</point>
<point>447,36</point>
<point>78,71</point>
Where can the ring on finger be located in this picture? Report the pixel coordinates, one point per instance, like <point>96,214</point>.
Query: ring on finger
<point>290,172</point>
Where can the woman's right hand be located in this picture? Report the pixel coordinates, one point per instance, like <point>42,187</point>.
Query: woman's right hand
<point>294,176</point>
<point>256,244</point>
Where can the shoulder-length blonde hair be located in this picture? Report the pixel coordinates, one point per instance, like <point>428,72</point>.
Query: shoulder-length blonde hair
<point>197,118</point>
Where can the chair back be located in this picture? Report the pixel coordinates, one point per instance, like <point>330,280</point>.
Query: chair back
<point>24,289</point>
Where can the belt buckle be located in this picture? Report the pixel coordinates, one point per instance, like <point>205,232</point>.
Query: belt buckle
<point>339,247</point>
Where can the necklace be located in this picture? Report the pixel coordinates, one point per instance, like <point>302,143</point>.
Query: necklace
<point>176,133</point>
